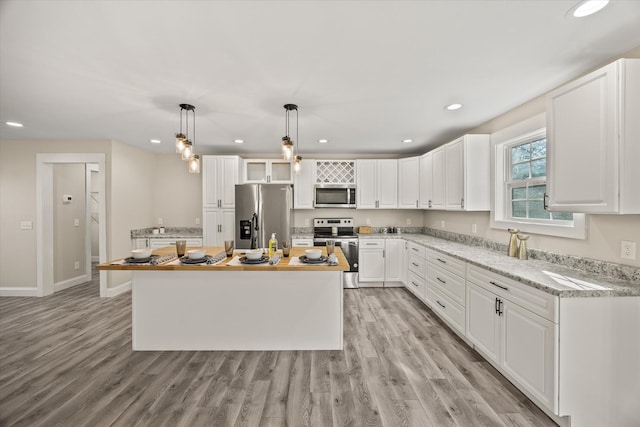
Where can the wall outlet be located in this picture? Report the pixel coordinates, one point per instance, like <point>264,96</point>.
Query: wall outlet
<point>76,265</point>
<point>197,221</point>
<point>67,198</point>
<point>474,228</point>
<point>76,222</point>
<point>159,221</point>
<point>408,221</point>
<point>442,224</point>
<point>26,225</point>
<point>368,221</point>
<point>628,249</point>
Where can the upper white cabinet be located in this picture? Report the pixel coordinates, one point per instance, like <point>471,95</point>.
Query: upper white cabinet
<point>259,171</point>
<point>593,141</point>
<point>219,178</point>
<point>467,173</point>
<point>377,182</point>
<point>409,183</point>
<point>303,185</point>
<point>437,178</point>
<point>425,168</point>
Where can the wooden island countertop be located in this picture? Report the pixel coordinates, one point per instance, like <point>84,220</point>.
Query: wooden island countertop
<point>283,265</point>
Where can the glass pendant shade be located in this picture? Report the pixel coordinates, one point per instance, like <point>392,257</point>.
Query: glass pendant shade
<point>194,164</point>
<point>297,163</point>
<point>180,139</point>
<point>188,150</point>
<point>287,148</point>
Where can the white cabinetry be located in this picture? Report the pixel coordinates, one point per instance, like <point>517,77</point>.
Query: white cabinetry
<point>408,183</point>
<point>437,179</point>
<point>303,185</point>
<point>515,327</point>
<point>417,270</point>
<point>218,226</point>
<point>446,288</point>
<point>425,173</point>
<point>156,243</point>
<point>467,173</point>
<point>377,182</point>
<point>371,263</point>
<point>261,171</point>
<point>302,242</point>
<point>393,262</point>
<point>219,179</point>
<point>593,151</point>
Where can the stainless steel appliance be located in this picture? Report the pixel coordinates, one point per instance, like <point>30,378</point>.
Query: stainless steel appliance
<point>341,231</point>
<point>334,196</point>
<point>262,209</point>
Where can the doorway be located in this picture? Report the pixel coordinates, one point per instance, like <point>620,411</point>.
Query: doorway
<point>45,226</point>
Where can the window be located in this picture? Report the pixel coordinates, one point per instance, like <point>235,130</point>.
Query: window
<point>520,184</point>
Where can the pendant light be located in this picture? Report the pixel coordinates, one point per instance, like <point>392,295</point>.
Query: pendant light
<point>180,137</point>
<point>287,144</point>
<point>186,146</point>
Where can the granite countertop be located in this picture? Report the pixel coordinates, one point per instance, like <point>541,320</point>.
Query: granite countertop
<point>552,278</point>
<point>169,233</point>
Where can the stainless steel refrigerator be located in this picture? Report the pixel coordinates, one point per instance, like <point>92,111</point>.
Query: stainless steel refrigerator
<point>262,209</point>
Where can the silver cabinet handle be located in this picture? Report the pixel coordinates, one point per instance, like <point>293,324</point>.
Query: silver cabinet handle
<point>462,203</point>
<point>369,243</point>
<point>415,264</point>
<point>441,260</point>
<point>500,286</point>
<point>416,249</point>
<point>441,281</point>
<point>417,204</point>
<point>441,305</point>
<point>429,203</point>
<point>414,283</point>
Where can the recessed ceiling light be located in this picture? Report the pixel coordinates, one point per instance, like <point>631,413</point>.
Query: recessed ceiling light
<point>239,141</point>
<point>155,141</point>
<point>406,141</point>
<point>587,7</point>
<point>323,141</point>
<point>452,107</point>
<point>14,124</point>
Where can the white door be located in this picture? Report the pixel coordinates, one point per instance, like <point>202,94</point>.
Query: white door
<point>387,180</point>
<point>437,178</point>
<point>303,185</point>
<point>426,180</point>
<point>210,173</point>
<point>227,180</point>
<point>483,322</point>
<point>393,258</point>
<point>227,225</point>
<point>366,181</point>
<point>454,174</point>
<point>528,351</point>
<point>408,183</point>
<point>371,265</point>
<point>210,223</point>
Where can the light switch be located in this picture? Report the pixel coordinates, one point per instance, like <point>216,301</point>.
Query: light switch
<point>76,222</point>
<point>26,225</point>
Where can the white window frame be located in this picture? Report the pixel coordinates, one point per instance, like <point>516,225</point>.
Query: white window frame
<point>501,204</point>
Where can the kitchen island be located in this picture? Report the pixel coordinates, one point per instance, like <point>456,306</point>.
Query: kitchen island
<point>232,306</point>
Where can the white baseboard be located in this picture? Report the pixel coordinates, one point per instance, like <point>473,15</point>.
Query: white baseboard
<point>65,284</point>
<point>125,287</point>
<point>15,291</point>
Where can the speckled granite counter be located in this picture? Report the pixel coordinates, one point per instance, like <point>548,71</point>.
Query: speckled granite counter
<point>169,233</point>
<point>549,277</point>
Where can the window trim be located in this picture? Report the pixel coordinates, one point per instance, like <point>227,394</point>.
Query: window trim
<point>500,209</point>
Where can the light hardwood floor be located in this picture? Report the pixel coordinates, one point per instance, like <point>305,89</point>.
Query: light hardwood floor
<point>67,360</point>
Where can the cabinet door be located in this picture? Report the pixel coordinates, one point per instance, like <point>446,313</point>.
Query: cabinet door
<point>528,351</point>
<point>426,180</point>
<point>255,171</point>
<point>582,144</point>
<point>371,265</point>
<point>227,180</point>
<point>393,257</point>
<point>210,173</point>
<point>405,261</point>
<point>210,222</point>
<point>408,183</point>
<point>454,174</point>
<point>280,172</point>
<point>387,183</point>
<point>437,179</point>
<point>483,323</point>
<point>227,225</point>
<point>366,181</point>
<point>303,186</point>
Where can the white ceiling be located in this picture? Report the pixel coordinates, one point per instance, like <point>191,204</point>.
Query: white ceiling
<point>365,74</point>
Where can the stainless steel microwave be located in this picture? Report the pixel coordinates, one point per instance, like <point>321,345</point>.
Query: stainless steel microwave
<point>334,196</point>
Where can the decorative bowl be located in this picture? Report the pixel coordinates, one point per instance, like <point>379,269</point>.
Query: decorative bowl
<point>141,253</point>
<point>254,254</point>
<point>313,253</point>
<point>196,253</point>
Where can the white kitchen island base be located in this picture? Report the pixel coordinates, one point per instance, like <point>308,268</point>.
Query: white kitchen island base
<point>237,310</point>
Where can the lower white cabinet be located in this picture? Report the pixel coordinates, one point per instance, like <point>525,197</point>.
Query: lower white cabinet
<point>519,342</point>
<point>218,226</point>
<point>371,263</point>
<point>393,256</point>
<point>139,243</point>
<point>302,242</point>
<point>162,242</point>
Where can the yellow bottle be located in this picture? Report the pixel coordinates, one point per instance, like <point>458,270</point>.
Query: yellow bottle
<point>273,245</point>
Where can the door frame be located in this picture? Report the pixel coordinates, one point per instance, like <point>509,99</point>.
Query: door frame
<point>44,216</point>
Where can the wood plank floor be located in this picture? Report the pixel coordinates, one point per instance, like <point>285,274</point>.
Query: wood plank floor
<point>67,360</point>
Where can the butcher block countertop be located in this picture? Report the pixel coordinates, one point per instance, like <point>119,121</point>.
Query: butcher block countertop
<point>283,265</point>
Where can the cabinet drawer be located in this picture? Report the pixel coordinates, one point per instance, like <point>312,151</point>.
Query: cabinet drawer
<point>446,308</point>
<point>371,243</point>
<point>417,265</point>
<point>302,242</point>
<point>447,262</point>
<point>416,284</point>
<point>417,249</point>
<point>162,242</point>
<point>450,284</point>
<point>534,300</point>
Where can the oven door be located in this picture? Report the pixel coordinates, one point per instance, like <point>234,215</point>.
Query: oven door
<point>350,249</point>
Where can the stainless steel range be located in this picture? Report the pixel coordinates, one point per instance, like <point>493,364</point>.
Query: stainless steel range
<point>340,230</point>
